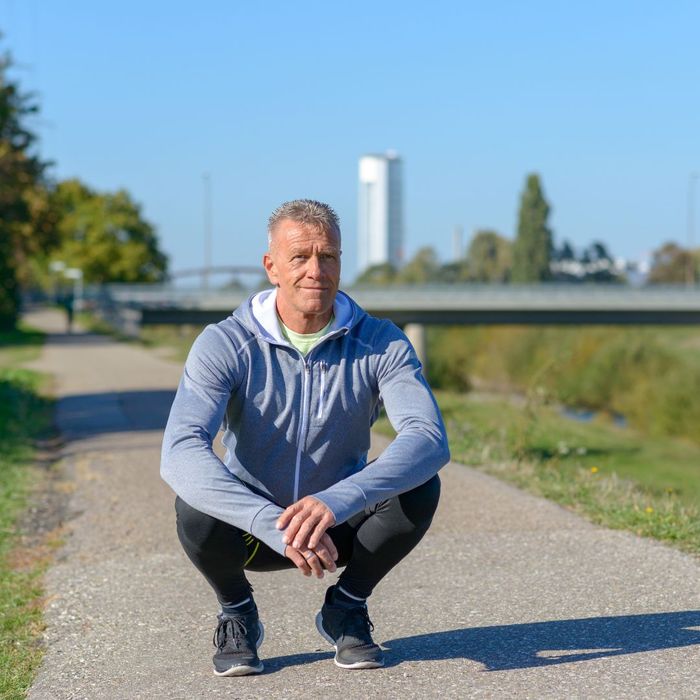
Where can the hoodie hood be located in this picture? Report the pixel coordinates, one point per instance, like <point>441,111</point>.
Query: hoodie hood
<point>259,315</point>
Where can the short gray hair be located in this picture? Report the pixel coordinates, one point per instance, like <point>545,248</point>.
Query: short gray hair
<point>305,211</point>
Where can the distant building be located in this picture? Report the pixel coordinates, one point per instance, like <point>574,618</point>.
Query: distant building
<point>380,220</point>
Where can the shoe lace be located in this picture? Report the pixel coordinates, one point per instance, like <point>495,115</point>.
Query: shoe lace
<point>230,628</point>
<point>356,623</point>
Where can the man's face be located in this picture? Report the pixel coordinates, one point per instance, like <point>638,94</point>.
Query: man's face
<point>304,263</point>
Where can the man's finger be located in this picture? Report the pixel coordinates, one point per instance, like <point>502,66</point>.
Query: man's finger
<point>294,522</point>
<point>325,557</point>
<point>287,515</point>
<point>327,542</point>
<point>326,521</point>
<point>314,562</point>
<point>298,559</point>
<point>304,522</point>
<point>291,535</point>
<point>306,528</point>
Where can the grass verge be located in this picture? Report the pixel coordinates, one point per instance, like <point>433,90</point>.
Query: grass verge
<point>615,476</point>
<point>25,416</point>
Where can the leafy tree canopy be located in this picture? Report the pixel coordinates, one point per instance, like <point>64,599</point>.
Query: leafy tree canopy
<point>672,264</point>
<point>25,221</point>
<point>382,274</point>
<point>454,272</point>
<point>106,236</point>
<point>421,269</point>
<point>489,257</point>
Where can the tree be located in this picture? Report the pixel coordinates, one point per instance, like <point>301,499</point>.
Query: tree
<point>598,252</point>
<point>23,203</point>
<point>566,252</point>
<point>105,235</point>
<point>489,257</point>
<point>421,269</point>
<point>670,264</point>
<point>599,265</point>
<point>380,275</point>
<point>454,272</point>
<point>532,249</point>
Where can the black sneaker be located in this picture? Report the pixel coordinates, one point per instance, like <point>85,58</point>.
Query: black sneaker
<point>348,629</point>
<point>237,639</point>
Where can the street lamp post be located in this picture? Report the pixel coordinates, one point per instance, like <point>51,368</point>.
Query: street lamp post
<point>690,267</point>
<point>57,267</point>
<point>60,269</point>
<point>207,229</point>
<point>76,274</point>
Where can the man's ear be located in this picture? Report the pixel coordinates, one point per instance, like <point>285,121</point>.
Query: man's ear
<point>270,269</point>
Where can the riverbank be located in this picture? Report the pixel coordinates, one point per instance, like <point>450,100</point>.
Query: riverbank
<point>649,375</point>
<point>614,476</point>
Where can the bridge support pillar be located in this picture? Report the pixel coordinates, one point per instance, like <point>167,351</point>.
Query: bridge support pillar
<point>416,334</point>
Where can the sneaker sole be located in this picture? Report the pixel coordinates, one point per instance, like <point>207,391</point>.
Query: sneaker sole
<point>240,671</point>
<point>245,669</point>
<point>329,639</point>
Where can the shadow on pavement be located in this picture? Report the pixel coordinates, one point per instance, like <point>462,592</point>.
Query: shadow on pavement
<point>78,338</point>
<point>88,415</point>
<point>277,663</point>
<point>532,645</point>
<point>509,647</point>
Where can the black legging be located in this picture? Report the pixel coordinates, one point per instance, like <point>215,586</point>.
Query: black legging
<point>369,544</point>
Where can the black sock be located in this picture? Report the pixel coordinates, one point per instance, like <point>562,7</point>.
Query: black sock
<point>342,596</point>
<point>242,607</point>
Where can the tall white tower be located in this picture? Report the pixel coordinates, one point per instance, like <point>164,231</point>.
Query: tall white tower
<point>380,220</point>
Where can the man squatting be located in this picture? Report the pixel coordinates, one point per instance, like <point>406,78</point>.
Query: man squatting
<point>296,376</point>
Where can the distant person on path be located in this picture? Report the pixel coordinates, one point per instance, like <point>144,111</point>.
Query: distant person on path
<point>296,376</point>
<point>68,304</point>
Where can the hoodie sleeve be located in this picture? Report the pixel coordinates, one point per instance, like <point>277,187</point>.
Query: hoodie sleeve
<point>420,447</point>
<point>188,462</point>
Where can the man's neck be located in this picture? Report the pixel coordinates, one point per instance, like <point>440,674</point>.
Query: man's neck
<point>306,324</point>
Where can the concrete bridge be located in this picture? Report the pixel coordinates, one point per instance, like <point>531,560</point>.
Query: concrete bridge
<point>129,307</point>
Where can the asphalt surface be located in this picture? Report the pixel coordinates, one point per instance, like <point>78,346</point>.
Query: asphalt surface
<point>508,596</point>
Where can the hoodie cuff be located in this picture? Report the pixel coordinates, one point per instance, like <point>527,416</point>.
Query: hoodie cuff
<point>345,499</point>
<point>264,527</point>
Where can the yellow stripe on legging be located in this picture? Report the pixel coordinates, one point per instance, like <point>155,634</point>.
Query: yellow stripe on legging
<point>255,551</point>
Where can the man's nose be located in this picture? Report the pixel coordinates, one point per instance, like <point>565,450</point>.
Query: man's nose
<point>313,267</point>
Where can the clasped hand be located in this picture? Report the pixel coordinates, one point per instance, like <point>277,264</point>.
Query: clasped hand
<point>309,546</point>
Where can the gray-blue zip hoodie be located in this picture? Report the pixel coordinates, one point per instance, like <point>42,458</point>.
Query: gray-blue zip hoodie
<point>297,426</point>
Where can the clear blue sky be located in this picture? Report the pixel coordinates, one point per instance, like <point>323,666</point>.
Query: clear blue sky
<point>278,100</point>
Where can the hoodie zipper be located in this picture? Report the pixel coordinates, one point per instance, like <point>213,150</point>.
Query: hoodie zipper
<point>301,436</point>
<point>306,405</point>
<point>324,371</point>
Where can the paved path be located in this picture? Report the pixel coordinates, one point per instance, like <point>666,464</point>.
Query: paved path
<point>508,596</point>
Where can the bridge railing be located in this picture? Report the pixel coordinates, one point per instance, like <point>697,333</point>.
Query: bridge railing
<point>129,306</point>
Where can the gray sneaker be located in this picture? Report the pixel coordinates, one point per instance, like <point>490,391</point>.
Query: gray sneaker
<point>348,629</point>
<point>237,639</point>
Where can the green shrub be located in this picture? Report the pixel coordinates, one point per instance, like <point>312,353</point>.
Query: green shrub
<point>649,375</point>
